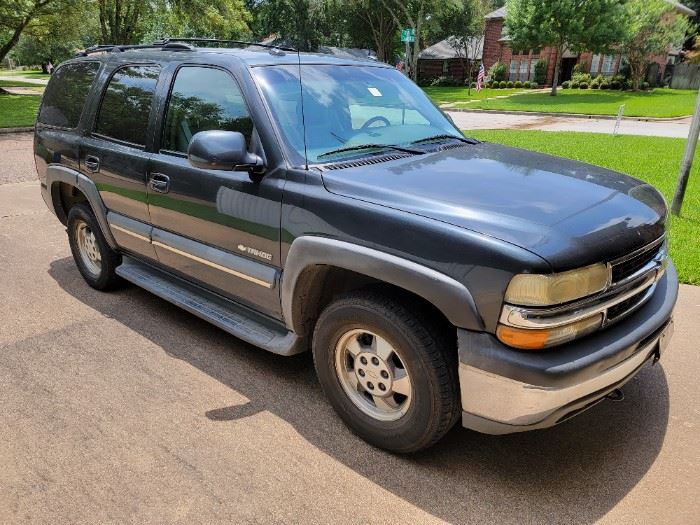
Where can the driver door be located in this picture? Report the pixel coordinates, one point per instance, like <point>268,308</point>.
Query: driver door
<point>218,228</point>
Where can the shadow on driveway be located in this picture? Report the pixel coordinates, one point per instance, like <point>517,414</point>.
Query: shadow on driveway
<point>575,472</point>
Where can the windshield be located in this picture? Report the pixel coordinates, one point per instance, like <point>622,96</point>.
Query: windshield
<point>349,110</point>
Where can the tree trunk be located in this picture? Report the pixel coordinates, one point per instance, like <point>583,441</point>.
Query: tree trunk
<point>557,67</point>
<point>7,47</point>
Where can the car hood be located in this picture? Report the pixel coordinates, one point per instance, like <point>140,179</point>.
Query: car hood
<point>567,212</point>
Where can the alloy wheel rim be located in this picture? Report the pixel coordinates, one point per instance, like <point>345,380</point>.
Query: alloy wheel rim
<point>373,375</point>
<point>87,247</point>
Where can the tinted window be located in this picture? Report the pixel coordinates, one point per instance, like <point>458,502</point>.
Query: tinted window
<point>66,93</point>
<point>203,99</point>
<point>127,103</point>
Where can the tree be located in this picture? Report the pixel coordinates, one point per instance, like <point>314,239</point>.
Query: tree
<point>416,14</point>
<point>464,22</point>
<point>577,25</point>
<point>652,27</point>
<point>370,24</point>
<point>121,21</point>
<point>16,15</point>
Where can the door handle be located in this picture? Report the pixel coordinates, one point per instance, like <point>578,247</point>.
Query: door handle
<point>92,163</point>
<point>159,183</point>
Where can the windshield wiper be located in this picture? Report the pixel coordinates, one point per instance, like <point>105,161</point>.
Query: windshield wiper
<point>371,146</point>
<point>445,136</point>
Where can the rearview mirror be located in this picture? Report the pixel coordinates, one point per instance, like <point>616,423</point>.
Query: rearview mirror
<point>222,150</point>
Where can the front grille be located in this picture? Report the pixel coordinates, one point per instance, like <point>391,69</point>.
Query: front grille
<point>625,306</point>
<point>630,265</point>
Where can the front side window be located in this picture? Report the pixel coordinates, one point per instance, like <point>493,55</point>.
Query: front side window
<point>347,106</point>
<point>65,95</point>
<point>203,99</point>
<point>126,104</point>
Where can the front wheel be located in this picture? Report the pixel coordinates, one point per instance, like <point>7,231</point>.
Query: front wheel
<point>389,372</point>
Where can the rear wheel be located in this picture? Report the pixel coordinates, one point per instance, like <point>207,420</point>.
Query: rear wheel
<point>96,261</point>
<point>389,372</point>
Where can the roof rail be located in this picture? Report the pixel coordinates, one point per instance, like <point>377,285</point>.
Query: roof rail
<point>116,48</point>
<point>219,41</point>
<point>174,44</point>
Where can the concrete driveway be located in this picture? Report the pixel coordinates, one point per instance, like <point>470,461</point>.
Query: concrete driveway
<point>120,408</point>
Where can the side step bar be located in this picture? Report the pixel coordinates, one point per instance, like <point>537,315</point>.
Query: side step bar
<point>231,317</point>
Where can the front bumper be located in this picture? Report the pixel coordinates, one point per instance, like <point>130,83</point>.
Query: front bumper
<point>505,390</point>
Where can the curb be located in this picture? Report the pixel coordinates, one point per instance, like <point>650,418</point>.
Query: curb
<point>564,115</point>
<point>7,131</point>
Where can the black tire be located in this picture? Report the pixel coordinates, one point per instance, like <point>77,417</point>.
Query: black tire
<point>104,277</point>
<point>427,351</point>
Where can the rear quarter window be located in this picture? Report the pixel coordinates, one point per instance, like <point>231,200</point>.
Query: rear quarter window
<point>66,93</point>
<point>126,104</point>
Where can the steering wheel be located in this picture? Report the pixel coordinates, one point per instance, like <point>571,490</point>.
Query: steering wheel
<point>371,121</point>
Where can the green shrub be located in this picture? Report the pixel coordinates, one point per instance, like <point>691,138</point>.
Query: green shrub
<point>526,84</point>
<point>533,85</point>
<point>497,72</point>
<point>566,84</point>
<point>509,84</point>
<point>581,77</point>
<point>541,71</point>
<point>615,84</point>
<point>583,85</point>
<point>575,84</point>
<point>594,84</point>
<point>645,85</point>
<point>517,84</point>
<point>502,84</point>
<point>581,67</point>
<point>605,84</point>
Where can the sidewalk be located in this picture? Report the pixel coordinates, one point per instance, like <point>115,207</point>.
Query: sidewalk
<point>20,78</point>
<point>486,120</point>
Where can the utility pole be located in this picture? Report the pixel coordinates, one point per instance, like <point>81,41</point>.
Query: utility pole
<point>687,163</point>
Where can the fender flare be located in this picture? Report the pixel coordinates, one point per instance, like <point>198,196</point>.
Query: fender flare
<point>56,173</point>
<point>449,296</point>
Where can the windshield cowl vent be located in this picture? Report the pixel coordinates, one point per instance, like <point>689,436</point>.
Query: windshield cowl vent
<point>444,147</point>
<point>363,162</point>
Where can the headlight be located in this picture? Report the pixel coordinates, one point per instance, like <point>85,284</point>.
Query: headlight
<point>546,290</point>
<point>529,339</point>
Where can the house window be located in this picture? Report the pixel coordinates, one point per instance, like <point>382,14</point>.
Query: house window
<point>445,67</point>
<point>532,69</point>
<point>514,68</point>
<point>595,64</point>
<point>523,70</point>
<point>608,63</point>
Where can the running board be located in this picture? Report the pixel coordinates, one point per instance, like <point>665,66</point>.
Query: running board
<point>231,317</point>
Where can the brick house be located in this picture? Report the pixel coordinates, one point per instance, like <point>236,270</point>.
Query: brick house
<point>441,59</point>
<point>521,63</point>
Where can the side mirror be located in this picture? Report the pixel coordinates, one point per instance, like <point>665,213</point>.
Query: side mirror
<point>222,150</point>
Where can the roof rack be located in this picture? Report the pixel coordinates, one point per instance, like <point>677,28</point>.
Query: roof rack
<point>219,41</point>
<point>175,44</point>
<point>115,48</point>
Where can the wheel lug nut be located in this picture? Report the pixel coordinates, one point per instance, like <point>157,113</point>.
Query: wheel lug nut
<point>361,372</point>
<point>382,387</point>
<point>375,361</point>
<point>363,360</point>
<point>385,374</point>
<point>370,386</point>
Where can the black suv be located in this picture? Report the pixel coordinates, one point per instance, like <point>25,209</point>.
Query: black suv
<point>304,201</point>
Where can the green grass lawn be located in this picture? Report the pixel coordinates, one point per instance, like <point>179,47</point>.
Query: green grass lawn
<point>449,95</point>
<point>660,102</point>
<point>24,73</point>
<point>655,160</point>
<point>18,110</point>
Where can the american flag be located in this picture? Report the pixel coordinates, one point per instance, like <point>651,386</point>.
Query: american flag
<point>480,78</point>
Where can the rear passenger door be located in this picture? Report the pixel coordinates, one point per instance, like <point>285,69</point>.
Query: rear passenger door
<point>114,154</point>
<point>220,228</point>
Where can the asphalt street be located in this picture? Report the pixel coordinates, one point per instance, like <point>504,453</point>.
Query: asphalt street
<point>120,408</point>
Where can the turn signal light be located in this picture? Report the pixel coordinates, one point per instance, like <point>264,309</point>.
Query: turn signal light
<point>538,339</point>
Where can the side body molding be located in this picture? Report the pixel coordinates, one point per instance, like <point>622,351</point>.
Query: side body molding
<point>56,173</point>
<point>448,295</point>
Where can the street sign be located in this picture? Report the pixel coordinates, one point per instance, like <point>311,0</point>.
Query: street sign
<point>408,35</point>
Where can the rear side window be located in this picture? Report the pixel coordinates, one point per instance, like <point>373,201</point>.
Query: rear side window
<point>127,103</point>
<point>66,93</point>
<point>203,99</point>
